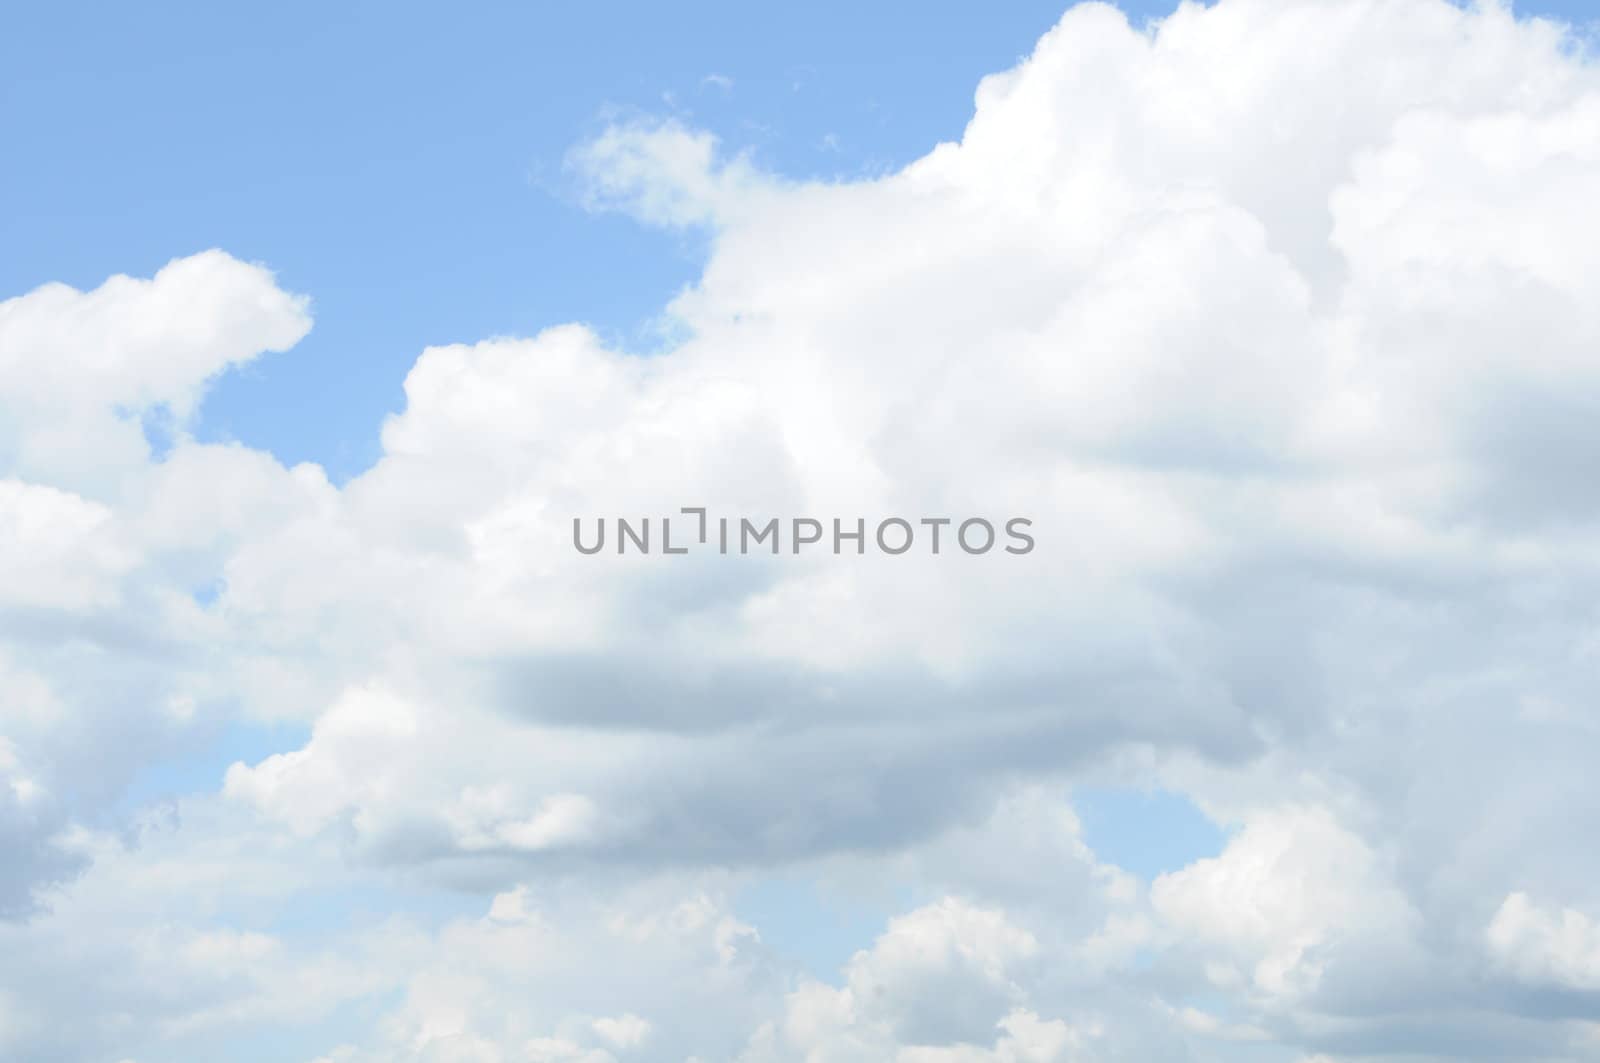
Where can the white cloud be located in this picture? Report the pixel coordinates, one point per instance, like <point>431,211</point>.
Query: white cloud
<point>930,990</point>
<point>1292,893</point>
<point>1545,946</point>
<point>665,174</point>
<point>623,1031</point>
<point>77,369</point>
<point>1275,318</point>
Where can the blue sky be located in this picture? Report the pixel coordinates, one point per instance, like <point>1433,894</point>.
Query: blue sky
<point>404,165</point>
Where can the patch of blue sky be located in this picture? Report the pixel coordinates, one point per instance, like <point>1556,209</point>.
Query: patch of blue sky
<point>199,761</point>
<point>1145,832</point>
<point>814,926</point>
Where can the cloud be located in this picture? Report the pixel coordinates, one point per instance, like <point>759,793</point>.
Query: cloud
<point>30,819</point>
<point>1273,317</point>
<point>624,1031</point>
<point>80,368</point>
<point>1292,895</point>
<point>665,174</point>
<point>1543,946</point>
<point>937,981</point>
<point>105,655</point>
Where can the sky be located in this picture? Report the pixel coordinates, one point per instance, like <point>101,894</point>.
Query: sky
<point>408,169</point>
<point>319,324</point>
<point>405,166</point>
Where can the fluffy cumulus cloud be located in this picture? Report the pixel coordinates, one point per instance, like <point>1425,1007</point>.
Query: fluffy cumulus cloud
<point>1275,317</point>
<point>1544,946</point>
